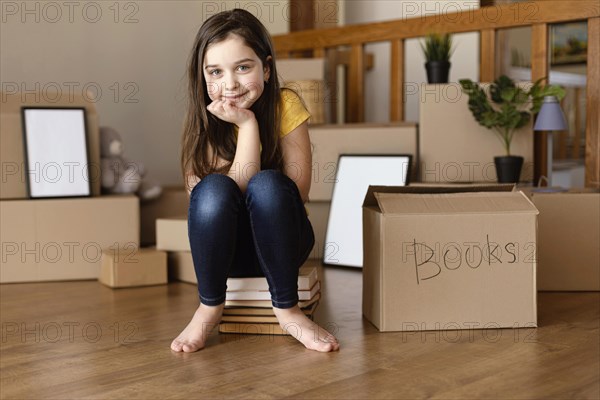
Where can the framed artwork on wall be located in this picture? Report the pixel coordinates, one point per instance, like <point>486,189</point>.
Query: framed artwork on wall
<point>568,43</point>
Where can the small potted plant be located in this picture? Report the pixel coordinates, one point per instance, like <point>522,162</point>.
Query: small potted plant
<point>510,108</point>
<point>437,50</point>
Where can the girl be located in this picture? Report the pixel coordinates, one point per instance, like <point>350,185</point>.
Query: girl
<point>246,159</point>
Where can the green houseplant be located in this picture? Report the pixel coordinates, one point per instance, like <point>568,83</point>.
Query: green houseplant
<point>437,50</point>
<point>507,109</point>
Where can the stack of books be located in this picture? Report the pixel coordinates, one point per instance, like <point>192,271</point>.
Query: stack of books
<point>248,307</point>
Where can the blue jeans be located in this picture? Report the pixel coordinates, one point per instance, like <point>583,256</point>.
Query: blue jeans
<point>265,232</point>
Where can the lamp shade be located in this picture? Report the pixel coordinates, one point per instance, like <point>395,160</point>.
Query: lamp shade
<point>550,117</point>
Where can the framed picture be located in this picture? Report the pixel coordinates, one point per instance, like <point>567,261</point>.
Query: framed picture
<point>56,157</point>
<point>343,240</point>
<point>568,43</point>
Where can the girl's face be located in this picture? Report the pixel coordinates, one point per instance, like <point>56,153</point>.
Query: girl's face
<point>233,72</point>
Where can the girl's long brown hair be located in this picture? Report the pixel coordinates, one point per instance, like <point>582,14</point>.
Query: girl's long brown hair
<point>201,128</point>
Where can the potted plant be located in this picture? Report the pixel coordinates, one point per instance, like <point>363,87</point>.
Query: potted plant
<point>511,108</point>
<point>437,50</point>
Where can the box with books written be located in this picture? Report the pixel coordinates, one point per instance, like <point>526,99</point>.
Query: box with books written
<point>453,257</point>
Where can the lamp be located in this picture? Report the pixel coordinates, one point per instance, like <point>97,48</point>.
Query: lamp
<point>550,118</point>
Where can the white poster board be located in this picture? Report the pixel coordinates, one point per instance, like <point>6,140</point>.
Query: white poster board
<point>343,240</point>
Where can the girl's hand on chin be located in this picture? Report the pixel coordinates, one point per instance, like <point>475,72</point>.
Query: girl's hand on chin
<point>229,112</point>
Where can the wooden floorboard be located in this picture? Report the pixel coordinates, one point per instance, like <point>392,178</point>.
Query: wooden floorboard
<point>83,340</point>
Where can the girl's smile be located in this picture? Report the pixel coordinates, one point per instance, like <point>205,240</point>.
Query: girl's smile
<point>234,73</point>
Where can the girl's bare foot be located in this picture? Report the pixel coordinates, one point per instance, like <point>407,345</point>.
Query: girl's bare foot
<point>193,337</point>
<point>311,335</point>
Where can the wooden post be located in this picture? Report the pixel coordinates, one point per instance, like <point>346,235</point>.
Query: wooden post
<point>539,69</point>
<point>487,55</point>
<point>592,137</point>
<point>356,93</point>
<point>397,81</point>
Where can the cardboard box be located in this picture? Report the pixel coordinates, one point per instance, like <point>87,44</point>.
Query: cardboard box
<point>63,239</point>
<point>318,215</point>
<point>181,266</point>
<point>330,141</point>
<point>133,266</point>
<point>301,69</point>
<point>172,234</point>
<point>569,240</point>
<point>306,76</point>
<point>455,258</point>
<point>173,202</point>
<point>454,147</point>
<point>14,171</point>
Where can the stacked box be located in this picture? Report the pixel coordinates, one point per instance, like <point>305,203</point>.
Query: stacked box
<point>127,267</point>
<point>569,240</point>
<point>63,239</point>
<point>454,147</point>
<point>174,201</point>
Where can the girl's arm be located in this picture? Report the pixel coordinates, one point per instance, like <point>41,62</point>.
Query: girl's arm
<point>246,162</point>
<point>240,156</point>
<point>297,158</point>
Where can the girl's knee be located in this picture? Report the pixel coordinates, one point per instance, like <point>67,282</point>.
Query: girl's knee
<point>271,189</point>
<point>213,195</point>
<point>215,187</point>
<point>268,180</point>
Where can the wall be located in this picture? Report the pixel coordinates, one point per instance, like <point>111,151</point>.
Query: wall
<point>465,60</point>
<point>131,55</point>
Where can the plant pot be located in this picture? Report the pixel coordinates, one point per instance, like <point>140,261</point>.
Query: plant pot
<point>508,168</point>
<point>437,71</point>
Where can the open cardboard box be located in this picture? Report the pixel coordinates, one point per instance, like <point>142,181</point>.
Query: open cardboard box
<point>459,257</point>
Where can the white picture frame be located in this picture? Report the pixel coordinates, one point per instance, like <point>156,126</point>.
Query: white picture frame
<point>56,154</point>
<point>343,238</point>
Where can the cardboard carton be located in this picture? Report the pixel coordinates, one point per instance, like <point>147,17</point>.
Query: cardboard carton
<point>14,170</point>
<point>63,239</point>
<point>301,69</point>
<point>318,215</point>
<point>181,266</point>
<point>172,234</point>
<point>454,147</point>
<point>569,240</point>
<point>173,202</point>
<point>448,258</point>
<point>330,141</point>
<point>133,267</point>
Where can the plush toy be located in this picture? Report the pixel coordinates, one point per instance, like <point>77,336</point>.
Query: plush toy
<point>120,176</point>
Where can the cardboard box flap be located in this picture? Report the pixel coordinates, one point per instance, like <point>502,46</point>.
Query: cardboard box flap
<point>455,203</point>
<point>370,199</point>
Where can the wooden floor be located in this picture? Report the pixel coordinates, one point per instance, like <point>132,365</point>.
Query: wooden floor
<point>83,340</point>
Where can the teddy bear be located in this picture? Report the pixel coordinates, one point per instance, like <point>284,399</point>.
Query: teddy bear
<point>120,176</point>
